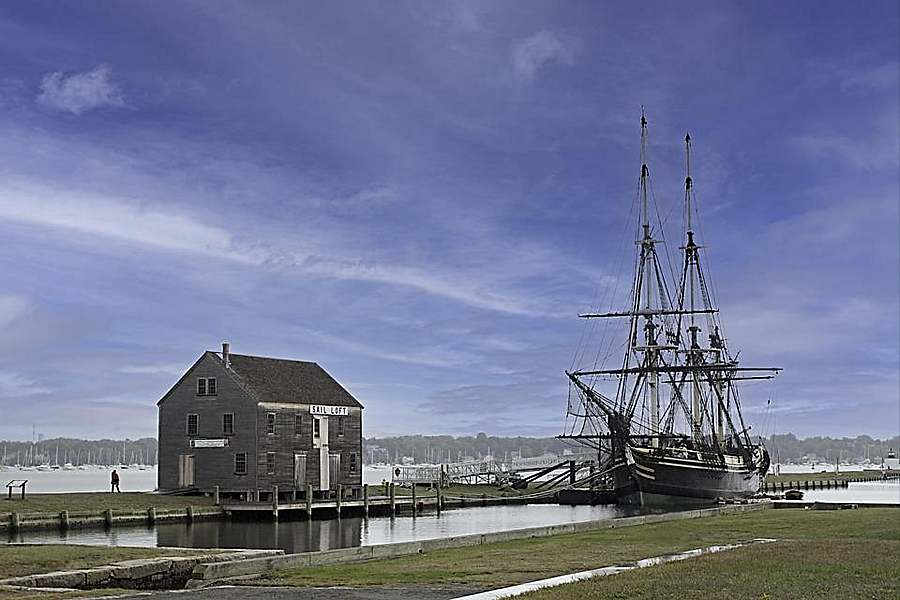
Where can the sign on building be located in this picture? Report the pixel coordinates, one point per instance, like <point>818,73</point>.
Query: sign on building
<point>210,443</point>
<point>329,411</point>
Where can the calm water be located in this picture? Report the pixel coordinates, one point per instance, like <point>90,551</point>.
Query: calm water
<point>96,479</point>
<point>887,492</point>
<point>302,536</point>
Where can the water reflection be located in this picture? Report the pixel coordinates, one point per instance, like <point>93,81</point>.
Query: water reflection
<point>300,535</point>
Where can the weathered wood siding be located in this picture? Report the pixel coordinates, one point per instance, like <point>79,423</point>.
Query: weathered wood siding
<point>212,466</point>
<point>284,443</point>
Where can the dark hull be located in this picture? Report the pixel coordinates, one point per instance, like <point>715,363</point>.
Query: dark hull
<point>649,478</point>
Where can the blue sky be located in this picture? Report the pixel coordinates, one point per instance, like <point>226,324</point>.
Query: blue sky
<point>421,196</point>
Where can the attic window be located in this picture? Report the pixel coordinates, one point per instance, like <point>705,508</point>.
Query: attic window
<point>206,386</point>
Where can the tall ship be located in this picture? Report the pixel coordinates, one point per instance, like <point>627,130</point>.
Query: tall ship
<point>660,403</point>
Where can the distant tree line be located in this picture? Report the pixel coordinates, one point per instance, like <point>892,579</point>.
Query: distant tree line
<point>432,449</point>
<point>78,452</point>
<point>784,447</point>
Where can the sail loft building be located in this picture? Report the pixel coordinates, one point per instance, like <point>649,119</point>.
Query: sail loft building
<point>248,423</point>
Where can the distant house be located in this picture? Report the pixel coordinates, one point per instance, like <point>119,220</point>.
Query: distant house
<point>248,423</point>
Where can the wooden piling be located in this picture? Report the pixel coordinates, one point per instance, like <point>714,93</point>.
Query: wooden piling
<point>216,495</point>
<point>308,501</point>
<point>64,520</point>
<point>275,502</point>
<point>340,496</point>
<point>440,499</point>
<point>414,506</point>
<point>14,521</point>
<point>366,500</point>
<point>190,514</point>
<point>151,515</point>
<point>392,500</point>
<point>107,517</point>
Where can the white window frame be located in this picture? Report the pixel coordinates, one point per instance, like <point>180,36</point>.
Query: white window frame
<point>238,471</point>
<point>187,425</point>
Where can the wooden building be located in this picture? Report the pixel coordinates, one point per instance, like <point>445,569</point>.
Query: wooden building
<point>248,423</point>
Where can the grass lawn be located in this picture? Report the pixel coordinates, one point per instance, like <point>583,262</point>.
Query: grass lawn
<point>18,560</point>
<point>507,563</point>
<point>801,477</point>
<point>808,569</point>
<point>455,490</point>
<point>96,502</point>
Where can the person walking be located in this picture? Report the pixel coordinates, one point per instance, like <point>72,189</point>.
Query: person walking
<point>114,482</point>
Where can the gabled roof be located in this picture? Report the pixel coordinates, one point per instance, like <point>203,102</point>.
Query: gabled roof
<point>281,380</point>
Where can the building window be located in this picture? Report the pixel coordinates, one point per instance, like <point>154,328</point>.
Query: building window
<point>240,463</point>
<point>317,428</point>
<point>270,423</point>
<point>298,424</point>
<point>352,462</point>
<point>270,463</point>
<point>206,386</point>
<point>193,424</point>
<point>228,424</point>
<point>340,427</point>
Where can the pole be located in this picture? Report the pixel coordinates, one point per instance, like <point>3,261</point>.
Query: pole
<point>392,500</point>
<point>366,500</point>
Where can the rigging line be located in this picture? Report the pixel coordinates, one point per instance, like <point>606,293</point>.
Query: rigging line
<point>607,328</point>
<point>662,233</point>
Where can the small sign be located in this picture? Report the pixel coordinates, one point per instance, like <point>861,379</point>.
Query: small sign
<point>329,411</point>
<point>210,443</point>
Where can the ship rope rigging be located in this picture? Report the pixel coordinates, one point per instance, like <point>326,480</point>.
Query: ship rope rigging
<point>672,389</point>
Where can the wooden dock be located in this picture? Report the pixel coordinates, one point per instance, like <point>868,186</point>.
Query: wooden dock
<point>390,505</point>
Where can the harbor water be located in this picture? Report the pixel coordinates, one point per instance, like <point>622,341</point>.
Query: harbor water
<point>301,535</point>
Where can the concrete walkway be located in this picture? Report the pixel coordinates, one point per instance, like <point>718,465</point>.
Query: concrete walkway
<point>425,592</point>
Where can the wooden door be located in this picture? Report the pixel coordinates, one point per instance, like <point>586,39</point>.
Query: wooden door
<point>334,470</point>
<point>185,470</point>
<point>300,470</point>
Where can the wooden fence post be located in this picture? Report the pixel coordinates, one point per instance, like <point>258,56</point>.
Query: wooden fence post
<point>392,500</point>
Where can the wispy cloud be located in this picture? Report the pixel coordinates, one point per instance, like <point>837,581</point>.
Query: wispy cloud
<point>80,92</point>
<point>116,219</point>
<point>12,308</point>
<point>532,54</point>
<point>13,385</point>
<point>163,369</point>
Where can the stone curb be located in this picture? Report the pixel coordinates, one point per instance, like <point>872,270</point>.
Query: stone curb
<point>143,573</point>
<point>205,572</point>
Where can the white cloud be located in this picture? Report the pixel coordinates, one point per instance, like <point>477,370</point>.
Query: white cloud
<point>80,92</point>
<point>166,369</point>
<point>531,54</point>
<point>13,385</point>
<point>12,308</point>
<point>116,219</point>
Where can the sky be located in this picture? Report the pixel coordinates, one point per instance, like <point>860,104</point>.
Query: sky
<point>422,196</point>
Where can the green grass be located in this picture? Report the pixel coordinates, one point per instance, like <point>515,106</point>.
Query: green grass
<point>97,502</point>
<point>807,569</point>
<point>801,477</point>
<point>455,490</point>
<point>28,559</point>
<point>507,563</point>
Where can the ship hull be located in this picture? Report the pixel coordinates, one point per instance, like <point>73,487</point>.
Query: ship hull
<point>662,479</point>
